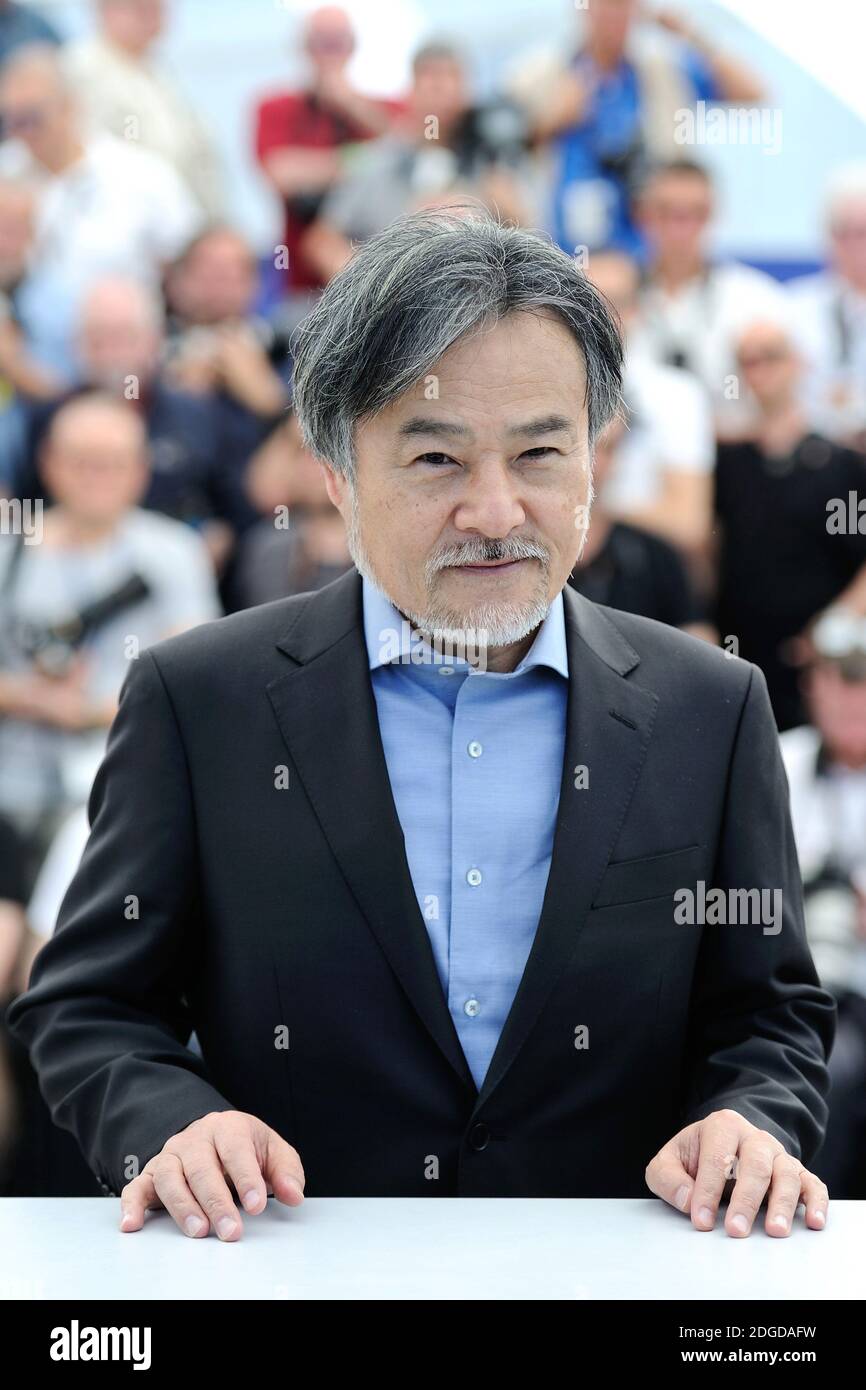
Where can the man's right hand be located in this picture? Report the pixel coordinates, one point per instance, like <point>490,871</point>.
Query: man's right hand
<point>190,1176</point>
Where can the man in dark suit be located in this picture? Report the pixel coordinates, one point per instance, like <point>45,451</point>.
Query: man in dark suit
<point>466,885</point>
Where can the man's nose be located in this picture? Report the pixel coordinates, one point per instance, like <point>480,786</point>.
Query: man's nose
<point>490,504</point>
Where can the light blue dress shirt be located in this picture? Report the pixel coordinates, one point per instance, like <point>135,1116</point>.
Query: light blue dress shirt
<point>475,762</point>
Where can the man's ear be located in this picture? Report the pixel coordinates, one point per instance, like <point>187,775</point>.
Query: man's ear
<point>335,484</point>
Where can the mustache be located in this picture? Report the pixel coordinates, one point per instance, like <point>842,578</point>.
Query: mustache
<point>480,549</point>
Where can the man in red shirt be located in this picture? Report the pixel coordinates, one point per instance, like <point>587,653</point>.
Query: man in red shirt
<point>299,135</point>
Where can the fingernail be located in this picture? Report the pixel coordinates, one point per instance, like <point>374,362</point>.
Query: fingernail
<point>193,1225</point>
<point>706,1217</point>
<point>740,1224</point>
<point>818,1218</point>
<point>225,1227</point>
<point>780,1222</point>
<point>251,1199</point>
<point>125,1218</point>
<point>681,1200</point>
<point>296,1184</point>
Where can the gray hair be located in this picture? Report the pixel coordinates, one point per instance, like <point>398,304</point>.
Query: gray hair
<point>410,293</point>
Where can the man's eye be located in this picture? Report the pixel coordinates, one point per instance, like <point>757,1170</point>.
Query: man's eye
<point>435,459</point>
<point>538,453</point>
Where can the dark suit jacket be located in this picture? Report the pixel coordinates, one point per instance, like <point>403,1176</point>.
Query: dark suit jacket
<point>263,908</point>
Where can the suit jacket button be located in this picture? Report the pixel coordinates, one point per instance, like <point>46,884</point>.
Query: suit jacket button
<point>479,1137</point>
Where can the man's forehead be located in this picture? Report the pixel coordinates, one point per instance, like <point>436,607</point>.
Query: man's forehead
<point>527,355</point>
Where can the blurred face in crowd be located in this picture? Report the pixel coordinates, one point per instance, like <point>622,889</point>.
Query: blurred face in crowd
<point>469,510</point>
<point>769,365</point>
<point>119,335</point>
<point>439,89</point>
<point>607,26</point>
<point>215,281</point>
<point>329,40</point>
<point>94,460</point>
<point>617,276</point>
<point>35,108</point>
<point>133,24</point>
<point>284,473</point>
<point>16,230</point>
<point>848,241</point>
<point>674,211</point>
<point>837,709</point>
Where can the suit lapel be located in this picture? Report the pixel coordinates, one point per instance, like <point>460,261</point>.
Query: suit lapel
<point>608,729</point>
<point>327,715</point>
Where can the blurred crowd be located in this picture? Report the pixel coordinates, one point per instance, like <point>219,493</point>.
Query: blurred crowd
<point>153,476</point>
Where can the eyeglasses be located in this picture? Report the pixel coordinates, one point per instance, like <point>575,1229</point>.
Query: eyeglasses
<point>760,359</point>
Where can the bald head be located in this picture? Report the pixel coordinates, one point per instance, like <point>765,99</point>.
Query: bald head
<point>328,38</point>
<point>769,364</point>
<point>94,459</point>
<point>120,332</point>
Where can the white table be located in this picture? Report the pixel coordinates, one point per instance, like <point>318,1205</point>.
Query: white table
<point>348,1247</point>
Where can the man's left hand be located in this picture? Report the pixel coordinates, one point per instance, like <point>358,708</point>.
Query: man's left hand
<point>725,1154</point>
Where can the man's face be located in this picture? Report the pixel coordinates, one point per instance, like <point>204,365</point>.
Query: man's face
<point>609,23</point>
<point>675,213</point>
<point>33,111</point>
<point>838,711</point>
<point>217,281</point>
<point>95,461</point>
<point>439,89</point>
<point>116,342</point>
<point>848,241</point>
<point>470,509</point>
<point>329,41</point>
<point>769,364</point>
<point>136,22</point>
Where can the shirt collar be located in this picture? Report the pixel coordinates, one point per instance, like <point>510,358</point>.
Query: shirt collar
<point>388,636</point>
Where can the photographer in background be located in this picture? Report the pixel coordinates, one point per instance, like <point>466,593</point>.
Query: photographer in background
<point>300,136</point>
<point>107,581</point>
<point>445,149</point>
<point>828,315</point>
<point>22,377</point>
<point>215,343</point>
<point>625,566</point>
<point>692,306</point>
<point>781,559</point>
<point>125,89</point>
<point>610,111</point>
<point>300,544</point>
<point>197,455</point>
<point>825,762</point>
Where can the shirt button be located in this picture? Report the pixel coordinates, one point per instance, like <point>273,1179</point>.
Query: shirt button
<point>471,1008</point>
<point>474,749</point>
<point>473,878</point>
<point>446,670</point>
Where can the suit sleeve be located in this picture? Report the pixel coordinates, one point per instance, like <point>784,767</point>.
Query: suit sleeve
<point>105,1018</point>
<point>761,1026</point>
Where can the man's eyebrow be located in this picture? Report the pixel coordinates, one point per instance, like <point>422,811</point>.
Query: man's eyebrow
<point>545,424</point>
<point>428,424</point>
